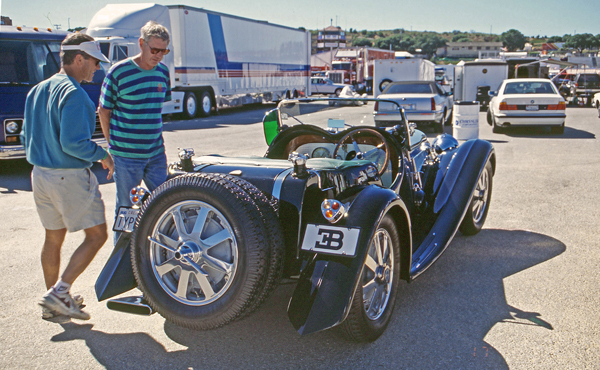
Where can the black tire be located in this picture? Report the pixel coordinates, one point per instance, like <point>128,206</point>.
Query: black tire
<point>438,127</point>
<point>268,209</point>
<point>383,84</point>
<point>489,118</point>
<point>227,277</point>
<point>558,130</point>
<point>496,129</point>
<point>338,92</point>
<point>367,319</point>
<point>190,105</point>
<point>448,121</point>
<point>206,104</point>
<point>480,203</point>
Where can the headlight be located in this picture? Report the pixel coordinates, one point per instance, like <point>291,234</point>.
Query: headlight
<point>12,127</point>
<point>137,196</point>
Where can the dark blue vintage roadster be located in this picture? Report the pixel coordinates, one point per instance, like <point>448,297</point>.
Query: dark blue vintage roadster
<point>345,208</point>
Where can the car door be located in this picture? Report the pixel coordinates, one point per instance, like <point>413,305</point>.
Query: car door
<point>315,85</point>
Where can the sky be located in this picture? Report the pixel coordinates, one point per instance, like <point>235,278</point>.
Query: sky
<point>530,17</point>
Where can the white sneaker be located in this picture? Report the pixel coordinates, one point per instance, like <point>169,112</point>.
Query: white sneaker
<point>48,314</point>
<point>63,304</point>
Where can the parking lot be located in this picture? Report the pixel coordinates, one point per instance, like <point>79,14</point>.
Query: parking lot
<point>522,294</point>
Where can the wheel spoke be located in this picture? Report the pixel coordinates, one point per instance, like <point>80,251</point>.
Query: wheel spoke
<point>203,279</point>
<point>199,224</point>
<point>173,250</point>
<point>168,266</point>
<point>217,238</point>
<point>178,220</point>
<point>369,291</point>
<point>217,264</point>
<point>182,285</point>
<point>168,241</point>
<point>378,250</point>
<point>371,263</point>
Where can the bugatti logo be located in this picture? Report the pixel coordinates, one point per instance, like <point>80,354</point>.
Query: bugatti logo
<point>332,239</point>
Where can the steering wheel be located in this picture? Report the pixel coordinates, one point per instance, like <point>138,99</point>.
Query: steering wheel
<point>374,155</point>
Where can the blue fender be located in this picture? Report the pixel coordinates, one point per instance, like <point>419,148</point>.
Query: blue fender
<point>453,198</point>
<point>117,275</point>
<point>326,286</point>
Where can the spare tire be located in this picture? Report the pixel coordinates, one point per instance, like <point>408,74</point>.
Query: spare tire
<point>199,251</point>
<point>383,84</point>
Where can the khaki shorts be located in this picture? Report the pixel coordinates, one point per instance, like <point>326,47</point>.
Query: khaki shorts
<point>67,198</point>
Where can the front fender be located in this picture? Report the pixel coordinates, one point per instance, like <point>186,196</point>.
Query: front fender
<point>117,275</point>
<point>327,283</point>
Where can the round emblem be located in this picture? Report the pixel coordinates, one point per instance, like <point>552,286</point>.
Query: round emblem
<point>160,88</point>
<point>532,102</point>
<point>484,71</point>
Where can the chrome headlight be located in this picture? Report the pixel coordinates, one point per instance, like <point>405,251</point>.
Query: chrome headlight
<point>12,127</point>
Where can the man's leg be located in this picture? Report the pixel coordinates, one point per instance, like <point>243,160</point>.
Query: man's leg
<point>95,237</point>
<point>51,255</point>
<point>128,174</point>
<point>155,172</point>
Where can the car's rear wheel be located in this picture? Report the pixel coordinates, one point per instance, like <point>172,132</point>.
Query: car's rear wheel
<point>338,92</point>
<point>438,126</point>
<point>489,118</point>
<point>377,289</point>
<point>496,128</point>
<point>480,203</point>
<point>200,252</point>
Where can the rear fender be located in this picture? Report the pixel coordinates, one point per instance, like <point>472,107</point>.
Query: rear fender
<point>117,275</point>
<point>327,283</point>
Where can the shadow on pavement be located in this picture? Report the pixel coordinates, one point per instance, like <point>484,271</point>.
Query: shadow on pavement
<point>440,321</point>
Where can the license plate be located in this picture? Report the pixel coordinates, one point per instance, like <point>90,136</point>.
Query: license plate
<point>340,241</point>
<point>125,219</point>
<point>407,106</point>
<point>531,107</point>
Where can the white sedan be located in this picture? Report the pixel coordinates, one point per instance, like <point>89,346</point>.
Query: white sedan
<point>323,85</point>
<point>527,102</point>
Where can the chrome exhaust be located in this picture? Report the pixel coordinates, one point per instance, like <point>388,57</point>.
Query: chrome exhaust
<point>135,305</point>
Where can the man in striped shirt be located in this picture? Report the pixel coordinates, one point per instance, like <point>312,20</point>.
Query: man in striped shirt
<point>131,101</point>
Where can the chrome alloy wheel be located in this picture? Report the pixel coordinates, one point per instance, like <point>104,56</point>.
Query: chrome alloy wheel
<point>193,252</point>
<point>378,274</point>
<point>480,196</point>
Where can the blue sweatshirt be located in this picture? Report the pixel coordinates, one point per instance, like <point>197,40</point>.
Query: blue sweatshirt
<point>60,119</point>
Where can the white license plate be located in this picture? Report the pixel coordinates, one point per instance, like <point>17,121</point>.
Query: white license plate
<point>408,106</point>
<point>328,239</point>
<point>125,219</point>
<point>532,107</point>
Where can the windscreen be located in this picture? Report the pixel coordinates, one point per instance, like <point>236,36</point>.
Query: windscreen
<point>408,89</point>
<point>28,62</point>
<point>529,88</point>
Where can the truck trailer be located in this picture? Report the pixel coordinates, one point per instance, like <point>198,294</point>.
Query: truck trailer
<point>29,55</point>
<point>393,70</point>
<point>474,80</point>
<point>218,60</point>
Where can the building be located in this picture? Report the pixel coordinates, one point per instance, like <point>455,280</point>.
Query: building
<point>5,21</point>
<point>329,38</point>
<point>470,49</point>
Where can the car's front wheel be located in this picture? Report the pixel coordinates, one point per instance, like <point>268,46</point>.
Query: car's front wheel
<point>377,289</point>
<point>480,203</point>
<point>201,252</point>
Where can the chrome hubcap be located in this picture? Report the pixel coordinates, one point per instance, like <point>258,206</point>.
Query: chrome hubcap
<point>378,275</point>
<point>480,195</point>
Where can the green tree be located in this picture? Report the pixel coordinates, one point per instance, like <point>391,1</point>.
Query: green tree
<point>361,41</point>
<point>513,40</point>
<point>582,41</point>
<point>555,39</point>
<point>429,43</point>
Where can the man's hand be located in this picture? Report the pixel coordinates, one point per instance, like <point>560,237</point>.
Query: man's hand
<point>108,163</point>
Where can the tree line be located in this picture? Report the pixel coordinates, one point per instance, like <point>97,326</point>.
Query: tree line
<point>429,42</point>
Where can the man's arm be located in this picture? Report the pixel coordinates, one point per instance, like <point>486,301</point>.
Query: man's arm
<point>104,115</point>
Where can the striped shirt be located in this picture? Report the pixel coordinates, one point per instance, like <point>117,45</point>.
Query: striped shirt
<point>135,97</point>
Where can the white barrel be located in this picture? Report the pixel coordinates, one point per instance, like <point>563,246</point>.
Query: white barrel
<point>465,120</point>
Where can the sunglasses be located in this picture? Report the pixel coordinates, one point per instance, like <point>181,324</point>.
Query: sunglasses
<point>157,50</point>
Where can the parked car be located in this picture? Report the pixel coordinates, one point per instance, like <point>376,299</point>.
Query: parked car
<point>596,102</point>
<point>583,88</point>
<point>323,85</point>
<point>344,208</point>
<point>422,101</point>
<point>527,102</point>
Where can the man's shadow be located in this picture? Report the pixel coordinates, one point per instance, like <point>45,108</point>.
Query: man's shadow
<point>440,321</point>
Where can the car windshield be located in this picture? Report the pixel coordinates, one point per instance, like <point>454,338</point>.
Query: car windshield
<point>408,89</point>
<point>529,88</point>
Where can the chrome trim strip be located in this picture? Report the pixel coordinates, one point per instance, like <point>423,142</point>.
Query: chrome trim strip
<point>279,182</point>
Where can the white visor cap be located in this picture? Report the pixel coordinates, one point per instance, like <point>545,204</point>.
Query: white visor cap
<point>91,48</point>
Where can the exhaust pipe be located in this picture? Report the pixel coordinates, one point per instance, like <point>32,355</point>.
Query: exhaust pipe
<point>135,305</point>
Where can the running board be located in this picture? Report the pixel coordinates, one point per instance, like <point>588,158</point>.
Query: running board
<point>135,304</point>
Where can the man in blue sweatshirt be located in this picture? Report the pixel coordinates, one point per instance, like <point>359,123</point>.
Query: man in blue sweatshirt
<point>57,134</point>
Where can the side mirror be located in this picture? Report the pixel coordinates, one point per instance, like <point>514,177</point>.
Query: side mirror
<point>271,125</point>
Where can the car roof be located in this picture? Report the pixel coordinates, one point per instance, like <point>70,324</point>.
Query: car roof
<point>411,82</point>
<point>527,80</point>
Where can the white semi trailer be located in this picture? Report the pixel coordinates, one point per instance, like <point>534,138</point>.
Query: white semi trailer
<point>386,71</point>
<point>217,60</point>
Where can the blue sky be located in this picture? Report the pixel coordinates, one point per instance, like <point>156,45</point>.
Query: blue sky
<point>531,17</point>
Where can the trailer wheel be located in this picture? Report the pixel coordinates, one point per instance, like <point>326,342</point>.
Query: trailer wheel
<point>205,104</point>
<point>384,84</point>
<point>375,296</point>
<point>190,106</point>
<point>200,253</point>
